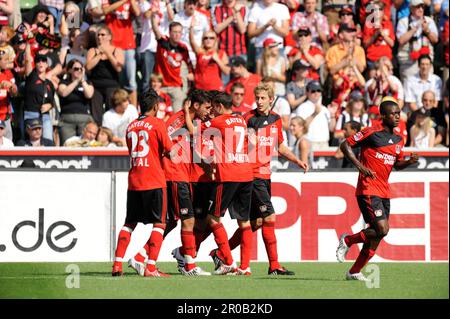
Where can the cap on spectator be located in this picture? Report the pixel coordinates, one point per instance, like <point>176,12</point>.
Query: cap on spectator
<point>356,96</point>
<point>415,3</point>
<point>2,124</point>
<point>33,123</point>
<point>422,112</point>
<point>40,57</point>
<point>299,65</point>
<point>304,31</point>
<point>237,61</point>
<point>269,42</point>
<point>346,27</point>
<point>313,86</point>
<point>346,9</point>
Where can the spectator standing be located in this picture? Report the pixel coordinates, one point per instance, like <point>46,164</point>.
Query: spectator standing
<point>314,21</point>
<point>271,64</point>
<point>75,94</point>
<point>8,89</point>
<point>267,19</point>
<point>56,8</point>
<point>103,65</point>
<point>119,18</point>
<point>211,62</point>
<point>296,89</point>
<point>347,16</point>
<point>4,141</point>
<point>320,120</point>
<point>422,81</point>
<point>118,118</point>
<point>416,35</point>
<point>242,75</point>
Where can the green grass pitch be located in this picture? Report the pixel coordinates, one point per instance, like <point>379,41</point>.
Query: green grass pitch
<point>312,280</point>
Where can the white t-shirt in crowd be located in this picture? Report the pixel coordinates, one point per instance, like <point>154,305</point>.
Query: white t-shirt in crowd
<point>118,123</point>
<point>260,15</point>
<point>6,142</point>
<point>148,39</point>
<point>318,130</point>
<point>415,86</point>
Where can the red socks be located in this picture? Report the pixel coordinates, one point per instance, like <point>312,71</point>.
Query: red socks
<point>246,246</point>
<point>364,256</point>
<point>270,241</point>
<point>356,239</point>
<point>154,245</point>
<point>189,251</point>
<point>123,241</point>
<point>221,238</point>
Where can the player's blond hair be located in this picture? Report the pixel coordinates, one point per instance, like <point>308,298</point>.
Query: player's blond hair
<point>264,87</point>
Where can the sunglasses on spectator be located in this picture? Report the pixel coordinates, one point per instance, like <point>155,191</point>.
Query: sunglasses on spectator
<point>238,94</point>
<point>303,34</point>
<point>77,69</point>
<point>315,91</point>
<point>209,38</point>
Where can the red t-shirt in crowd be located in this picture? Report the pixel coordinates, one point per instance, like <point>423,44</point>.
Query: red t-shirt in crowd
<point>313,51</point>
<point>168,61</point>
<point>445,35</point>
<point>120,21</point>
<point>249,83</point>
<point>230,148</point>
<point>379,47</point>
<point>363,11</point>
<point>165,106</point>
<point>147,141</point>
<point>5,106</point>
<point>269,135</point>
<point>379,152</point>
<point>207,74</point>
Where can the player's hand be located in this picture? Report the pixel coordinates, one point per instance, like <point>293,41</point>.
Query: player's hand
<point>186,106</point>
<point>414,158</point>
<point>367,172</point>
<point>303,165</point>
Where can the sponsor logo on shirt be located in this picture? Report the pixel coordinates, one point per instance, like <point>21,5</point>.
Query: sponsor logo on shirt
<point>378,213</point>
<point>388,159</point>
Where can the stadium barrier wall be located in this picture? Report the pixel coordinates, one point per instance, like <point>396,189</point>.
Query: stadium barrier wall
<point>75,216</point>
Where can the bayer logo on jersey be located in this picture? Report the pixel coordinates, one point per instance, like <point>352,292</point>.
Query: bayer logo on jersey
<point>358,136</point>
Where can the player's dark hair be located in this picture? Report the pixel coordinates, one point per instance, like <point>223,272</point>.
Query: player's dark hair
<point>385,105</point>
<point>174,24</point>
<point>237,85</point>
<point>199,96</point>
<point>213,93</point>
<point>148,100</point>
<point>356,126</point>
<point>224,99</point>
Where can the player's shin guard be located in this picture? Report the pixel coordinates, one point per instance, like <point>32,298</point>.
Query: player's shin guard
<point>189,251</point>
<point>154,245</point>
<point>123,241</point>
<point>270,241</point>
<point>363,258</point>
<point>221,238</point>
<point>356,239</point>
<point>246,246</point>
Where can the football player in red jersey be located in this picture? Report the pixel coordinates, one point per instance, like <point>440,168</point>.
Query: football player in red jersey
<point>147,143</point>
<point>265,129</point>
<point>381,151</point>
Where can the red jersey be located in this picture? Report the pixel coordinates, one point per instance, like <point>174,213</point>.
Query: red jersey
<point>147,141</point>
<point>203,148</point>
<point>5,106</point>
<point>230,40</point>
<point>177,169</point>
<point>120,21</point>
<point>269,135</point>
<point>168,61</point>
<point>379,152</point>
<point>249,83</point>
<point>230,147</point>
<point>165,106</point>
<point>313,51</point>
<point>379,47</point>
<point>207,75</point>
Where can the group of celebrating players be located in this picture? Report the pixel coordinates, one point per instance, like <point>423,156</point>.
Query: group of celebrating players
<point>206,160</point>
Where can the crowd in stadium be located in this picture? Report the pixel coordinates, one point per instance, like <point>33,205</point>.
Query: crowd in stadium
<point>71,72</point>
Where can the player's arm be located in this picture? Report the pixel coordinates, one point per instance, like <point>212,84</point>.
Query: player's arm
<point>402,164</point>
<point>348,153</point>
<point>287,153</point>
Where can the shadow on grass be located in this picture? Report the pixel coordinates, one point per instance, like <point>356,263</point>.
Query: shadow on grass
<point>299,279</point>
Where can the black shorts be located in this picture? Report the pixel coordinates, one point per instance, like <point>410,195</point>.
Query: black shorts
<point>179,200</point>
<point>235,196</point>
<point>374,208</point>
<point>261,199</point>
<point>148,207</point>
<point>201,193</point>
